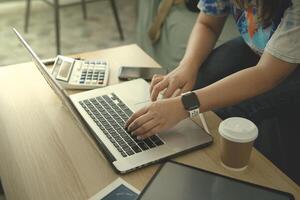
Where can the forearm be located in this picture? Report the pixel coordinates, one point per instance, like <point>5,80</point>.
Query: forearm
<point>247,83</point>
<point>234,89</point>
<point>202,40</point>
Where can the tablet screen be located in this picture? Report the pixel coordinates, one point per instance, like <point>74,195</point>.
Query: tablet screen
<point>176,181</point>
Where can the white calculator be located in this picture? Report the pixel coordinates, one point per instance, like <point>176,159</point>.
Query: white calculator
<point>80,74</point>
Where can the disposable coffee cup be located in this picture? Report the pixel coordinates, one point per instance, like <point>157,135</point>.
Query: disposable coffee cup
<point>237,138</point>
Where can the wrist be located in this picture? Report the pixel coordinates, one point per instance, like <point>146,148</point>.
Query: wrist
<point>182,111</point>
<point>189,64</point>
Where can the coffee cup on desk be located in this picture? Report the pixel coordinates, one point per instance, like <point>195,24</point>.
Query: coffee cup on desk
<point>237,138</point>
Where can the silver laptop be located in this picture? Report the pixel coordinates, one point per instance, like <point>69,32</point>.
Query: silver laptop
<point>103,113</point>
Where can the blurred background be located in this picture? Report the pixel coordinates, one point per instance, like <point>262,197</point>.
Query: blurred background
<point>96,27</point>
<point>99,29</point>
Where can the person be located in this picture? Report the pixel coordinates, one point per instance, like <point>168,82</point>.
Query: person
<point>250,76</point>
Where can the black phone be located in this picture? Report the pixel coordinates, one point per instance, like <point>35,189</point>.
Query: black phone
<point>132,72</point>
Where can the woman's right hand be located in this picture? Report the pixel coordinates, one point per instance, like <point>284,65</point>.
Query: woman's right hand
<point>178,81</point>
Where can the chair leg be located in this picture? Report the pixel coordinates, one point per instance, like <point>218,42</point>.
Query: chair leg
<point>114,8</point>
<point>57,25</point>
<point>27,15</point>
<point>83,5</point>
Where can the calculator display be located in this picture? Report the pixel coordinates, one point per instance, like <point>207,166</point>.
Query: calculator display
<point>64,71</point>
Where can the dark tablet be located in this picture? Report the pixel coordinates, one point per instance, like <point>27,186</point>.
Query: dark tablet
<point>174,181</point>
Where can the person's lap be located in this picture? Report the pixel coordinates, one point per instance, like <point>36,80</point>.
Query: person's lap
<point>264,110</point>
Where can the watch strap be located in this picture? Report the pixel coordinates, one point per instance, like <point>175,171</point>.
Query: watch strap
<point>194,113</point>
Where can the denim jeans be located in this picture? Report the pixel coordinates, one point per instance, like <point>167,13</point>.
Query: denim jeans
<point>276,112</point>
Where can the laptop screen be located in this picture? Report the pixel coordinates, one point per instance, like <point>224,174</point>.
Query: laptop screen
<point>42,68</point>
<point>61,93</point>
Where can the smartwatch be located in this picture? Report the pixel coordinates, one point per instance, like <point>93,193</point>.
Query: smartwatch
<point>191,103</point>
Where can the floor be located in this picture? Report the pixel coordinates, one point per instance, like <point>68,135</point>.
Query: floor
<point>97,32</point>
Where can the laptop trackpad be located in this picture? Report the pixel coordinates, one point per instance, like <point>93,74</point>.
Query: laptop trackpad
<point>147,101</point>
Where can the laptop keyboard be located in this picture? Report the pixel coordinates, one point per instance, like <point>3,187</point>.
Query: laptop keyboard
<point>110,115</point>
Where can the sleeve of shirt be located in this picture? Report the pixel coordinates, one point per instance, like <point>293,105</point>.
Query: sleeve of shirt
<point>285,42</point>
<point>215,7</point>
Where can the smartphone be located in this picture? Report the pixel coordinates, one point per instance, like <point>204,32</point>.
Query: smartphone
<point>130,72</point>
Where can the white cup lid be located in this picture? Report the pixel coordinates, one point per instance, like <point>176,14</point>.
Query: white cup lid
<point>237,129</point>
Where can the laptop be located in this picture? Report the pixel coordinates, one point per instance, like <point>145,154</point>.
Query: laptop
<point>103,113</point>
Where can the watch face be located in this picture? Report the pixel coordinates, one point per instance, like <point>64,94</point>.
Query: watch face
<point>190,101</point>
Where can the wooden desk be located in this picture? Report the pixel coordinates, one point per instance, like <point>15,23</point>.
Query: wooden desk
<point>44,155</point>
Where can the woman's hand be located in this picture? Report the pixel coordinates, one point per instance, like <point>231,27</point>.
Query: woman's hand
<point>157,117</point>
<point>180,80</point>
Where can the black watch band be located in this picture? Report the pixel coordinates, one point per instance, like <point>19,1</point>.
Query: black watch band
<point>191,103</point>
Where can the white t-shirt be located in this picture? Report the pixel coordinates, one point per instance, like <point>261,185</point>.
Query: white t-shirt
<point>285,42</point>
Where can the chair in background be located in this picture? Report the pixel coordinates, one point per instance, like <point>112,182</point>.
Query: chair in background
<point>55,4</point>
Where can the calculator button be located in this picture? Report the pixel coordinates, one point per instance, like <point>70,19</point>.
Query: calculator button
<point>100,66</point>
<point>100,82</point>
<point>81,82</point>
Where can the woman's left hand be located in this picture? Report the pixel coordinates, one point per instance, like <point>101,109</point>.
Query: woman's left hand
<point>156,117</point>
